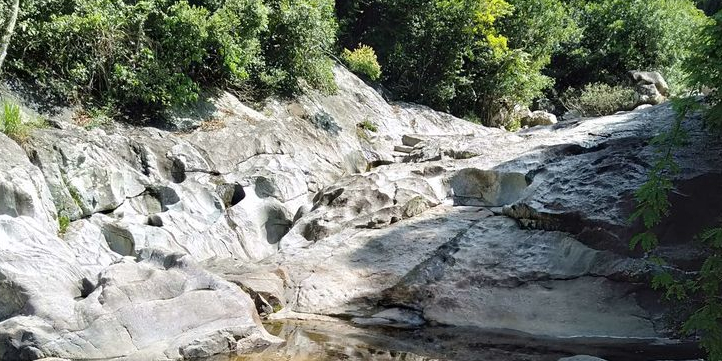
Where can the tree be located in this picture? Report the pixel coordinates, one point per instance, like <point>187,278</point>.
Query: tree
<point>623,35</point>
<point>8,29</point>
<point>474,58</point>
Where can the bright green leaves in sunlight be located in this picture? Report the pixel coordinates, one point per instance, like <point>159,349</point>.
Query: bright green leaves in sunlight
<point>362,60</point>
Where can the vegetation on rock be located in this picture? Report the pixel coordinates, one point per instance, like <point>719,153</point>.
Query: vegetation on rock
<point>597,99</point>
<point>362,60</point>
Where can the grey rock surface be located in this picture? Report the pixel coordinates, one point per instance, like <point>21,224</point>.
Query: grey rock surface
<point>179,240</point>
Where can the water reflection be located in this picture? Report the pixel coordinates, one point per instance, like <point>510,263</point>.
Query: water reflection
<point>326,342</point>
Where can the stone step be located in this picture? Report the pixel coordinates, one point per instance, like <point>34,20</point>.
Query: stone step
<point>403,149</point>
<point>411,140</point>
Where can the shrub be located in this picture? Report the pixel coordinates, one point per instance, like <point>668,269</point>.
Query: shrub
<point>363,61</point>
<point>599,99</point>
<point>150,54</point>
<point>63,224</point>
<point>147,54</point>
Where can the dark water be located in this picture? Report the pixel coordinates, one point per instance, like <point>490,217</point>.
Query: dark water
<point>322,341</point>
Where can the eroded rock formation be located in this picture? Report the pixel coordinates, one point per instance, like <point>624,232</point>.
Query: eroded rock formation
<point>177,240</point>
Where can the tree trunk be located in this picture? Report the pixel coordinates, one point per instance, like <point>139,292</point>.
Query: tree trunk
<point>8,30</point>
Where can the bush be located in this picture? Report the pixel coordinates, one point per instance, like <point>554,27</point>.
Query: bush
<point>368,125</point>
<point>63,224</point>
<point>623,35</point>
<point>12,124</point>
<point>150,54</point>
<point>363,61</point>
<point>599,99</point>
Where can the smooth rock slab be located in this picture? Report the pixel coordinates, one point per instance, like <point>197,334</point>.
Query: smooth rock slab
<point>497,276</point>
<point>163,306</point>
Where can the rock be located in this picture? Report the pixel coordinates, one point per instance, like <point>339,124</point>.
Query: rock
<point>403,149</point>
<point>648,94</point>
<point>54,306</point>
<point>146,204</point>
<point>400,316</point>
<point>411,140</point>
<point>560,240</point>
<point>651,87</point>
<point>572,114</point>
<point>475,187</point>
<point>23,191</point>
<point>494,276</point>
<point>302,215</point>
<point>581,358</point>
<point>538,117</point>
<point>544,104</point>
<point>651,77</point>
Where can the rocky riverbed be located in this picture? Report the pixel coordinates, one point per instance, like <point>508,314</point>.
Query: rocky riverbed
<point>180,241</point>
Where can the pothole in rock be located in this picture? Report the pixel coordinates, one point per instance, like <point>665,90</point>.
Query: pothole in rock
<point>231,193</point>
<point>277,225</point>
<point>487,188</point>
<point>378,163</point>
<point>119,240</point>
<point>158,198</point>
<point>266,188</point>
<point>178,171</point>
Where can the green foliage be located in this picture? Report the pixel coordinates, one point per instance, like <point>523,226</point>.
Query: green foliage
<point>473,58</point>
<point>598,99</point>
<point>704,286</point>
<point>368,125</point>
<point>514,124</point>
<point>63,224</point>
<point>150,54</point>
<point>652,200</point>
<point>11,123</point>
<point>623,35</point>
<point>705,68</point>
<point>362,60</point>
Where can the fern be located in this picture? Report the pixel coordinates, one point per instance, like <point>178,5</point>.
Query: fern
<point>653,205</point>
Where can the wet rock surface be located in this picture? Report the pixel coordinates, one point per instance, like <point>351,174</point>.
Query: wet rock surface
<point>294,212</point>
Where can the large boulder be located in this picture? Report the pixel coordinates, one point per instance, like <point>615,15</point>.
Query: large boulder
<point>538,117</point>
<point>650,86</point>
<point>651,77</point>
